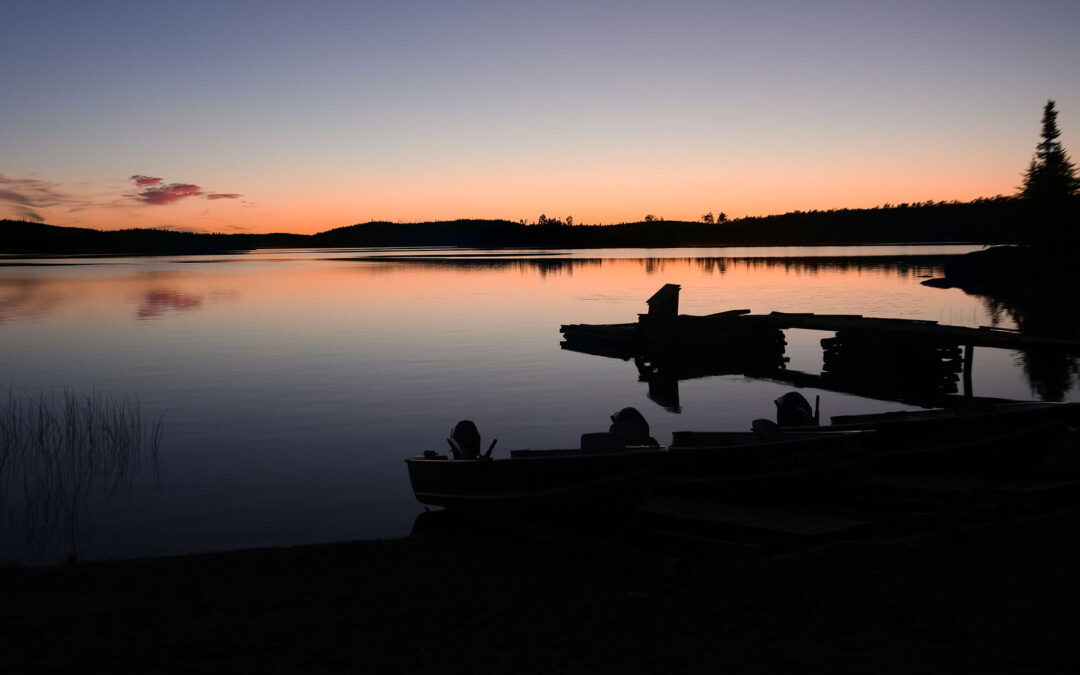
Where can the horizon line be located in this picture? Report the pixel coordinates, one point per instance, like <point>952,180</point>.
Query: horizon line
<point>554,221</point>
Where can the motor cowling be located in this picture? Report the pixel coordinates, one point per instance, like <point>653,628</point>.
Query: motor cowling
<point>793,410</point>
<point>630,425</point>
<point>465,440</point>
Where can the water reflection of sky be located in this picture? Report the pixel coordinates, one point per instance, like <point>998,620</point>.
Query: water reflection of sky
<point>160,301</point>
<point>293,383</point>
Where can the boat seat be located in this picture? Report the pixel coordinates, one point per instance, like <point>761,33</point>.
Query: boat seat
<point>601,442</point>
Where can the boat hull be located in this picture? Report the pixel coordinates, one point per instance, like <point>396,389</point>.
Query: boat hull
<point>538,483</point>
<point>735,466</point>
<point>991,440</point>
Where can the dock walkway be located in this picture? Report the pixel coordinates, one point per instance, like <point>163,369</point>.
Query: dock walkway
<point>983,336</point>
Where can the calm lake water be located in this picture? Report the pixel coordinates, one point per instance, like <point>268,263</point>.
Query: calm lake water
<point>292,384</point>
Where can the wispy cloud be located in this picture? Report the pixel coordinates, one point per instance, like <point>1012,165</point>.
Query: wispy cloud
<point>27,195</point>
<point>28,213</point>
<point>34,198</point>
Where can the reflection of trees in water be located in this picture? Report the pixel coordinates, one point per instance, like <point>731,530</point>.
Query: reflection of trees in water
<point>22,299</point>
<point>927,265</point>
<point>57,451</point>
<point>1051,372</point>
<point>542,265</point>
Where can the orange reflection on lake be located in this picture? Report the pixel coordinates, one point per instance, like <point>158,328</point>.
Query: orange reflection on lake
<point>295,382</point>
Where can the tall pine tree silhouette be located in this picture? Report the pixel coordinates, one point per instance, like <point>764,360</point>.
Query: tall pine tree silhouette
<point>1051,176</point>
<point>1051,188</point>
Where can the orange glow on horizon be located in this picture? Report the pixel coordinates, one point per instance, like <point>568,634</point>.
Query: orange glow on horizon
<point>590,194</point>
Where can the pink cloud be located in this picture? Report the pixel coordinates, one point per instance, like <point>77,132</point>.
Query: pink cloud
<point>158,193</point>
<point>167,194</point>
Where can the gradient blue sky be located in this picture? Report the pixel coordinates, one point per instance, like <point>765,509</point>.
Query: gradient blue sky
<point>303,116</point>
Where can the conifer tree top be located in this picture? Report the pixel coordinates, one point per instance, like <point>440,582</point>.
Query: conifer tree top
<point>1051,176</point>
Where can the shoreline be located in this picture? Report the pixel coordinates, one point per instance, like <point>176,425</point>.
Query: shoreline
<point>982,220</point>
<point>993,597</point>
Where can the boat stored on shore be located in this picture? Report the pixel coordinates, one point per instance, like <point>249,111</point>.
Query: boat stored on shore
<point>605,476</point>
<point>973,437</point>
<point>612,472</point>
<point>767,464</point>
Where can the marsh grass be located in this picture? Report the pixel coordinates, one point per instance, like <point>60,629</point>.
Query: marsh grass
<point>57,451</point>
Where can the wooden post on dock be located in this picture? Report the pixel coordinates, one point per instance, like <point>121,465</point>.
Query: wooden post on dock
<point>969,357</point>
<point>664,304</point>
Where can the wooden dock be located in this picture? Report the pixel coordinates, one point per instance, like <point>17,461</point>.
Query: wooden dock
<point>663,318</point>
<point>929,331</point>
<point>918,357</point>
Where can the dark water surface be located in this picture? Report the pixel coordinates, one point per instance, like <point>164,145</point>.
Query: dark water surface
<point>294,383</point>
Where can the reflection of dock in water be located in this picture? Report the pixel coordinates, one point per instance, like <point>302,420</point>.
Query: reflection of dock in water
<point>911,361</point>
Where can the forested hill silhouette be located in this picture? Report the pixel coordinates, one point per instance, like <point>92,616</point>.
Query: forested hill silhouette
<point>998,220</point>
<point>25,237</point>
<point>983,221</point>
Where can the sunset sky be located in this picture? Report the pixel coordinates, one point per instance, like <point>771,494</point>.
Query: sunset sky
<point>256,116</point>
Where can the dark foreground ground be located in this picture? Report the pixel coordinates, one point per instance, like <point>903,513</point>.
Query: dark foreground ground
<point>990,598</point>
<point>962,596</point>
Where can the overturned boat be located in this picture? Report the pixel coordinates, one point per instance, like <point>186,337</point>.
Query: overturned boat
<point>976,436</point>
<point>767,464</point>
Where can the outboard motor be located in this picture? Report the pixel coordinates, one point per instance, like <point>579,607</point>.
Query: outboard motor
<point>767,431</point>
<point>629,425</point>
<point>793,410</point>
<point>465,440</point>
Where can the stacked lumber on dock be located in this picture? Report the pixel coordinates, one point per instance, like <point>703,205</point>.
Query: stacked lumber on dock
<point>891,365</point>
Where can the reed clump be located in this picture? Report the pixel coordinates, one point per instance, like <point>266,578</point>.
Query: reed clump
<point>57,450</point>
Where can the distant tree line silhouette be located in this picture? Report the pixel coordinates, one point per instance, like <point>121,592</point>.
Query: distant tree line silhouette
<point>17,236</point>
<point>996,220</point>
<point>709,219</point>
